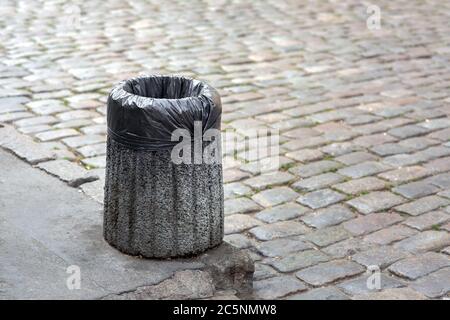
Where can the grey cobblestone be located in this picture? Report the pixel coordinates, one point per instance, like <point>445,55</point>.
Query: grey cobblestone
<point>68,171</point>
<point>370,223</point>
<point>327,272</point>
<point>434,285</point>
<point>375,201</point>
<point>423,205</point>
<point>392,294</point>
<point>282,212</point>
<point>283,246</point>
<point>325,293</point>
<point>299,260</point>
<point>419,266</point>
<point>358,186</point>
<point>277,287</point>
<point>279,230</point>
<point>378,107</point>
<point>390,235</point>
<point>275,196</point>
<point>427,220</point>
<point>240,205</point>
<point>24,146</point>
<point>318,182</point>
<point>328,216</point>
<point>327,236</point>
<point>381,256</point>
<point>359,286</point>
<point>363,169</point>
<point>320,198</point>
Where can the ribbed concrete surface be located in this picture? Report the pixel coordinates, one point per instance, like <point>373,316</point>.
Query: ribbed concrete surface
<point>155,208</point>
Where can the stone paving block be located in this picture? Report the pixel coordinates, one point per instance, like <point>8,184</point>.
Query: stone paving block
<point>340,148</point>
<point>236,223</point>
<point>56,134</point>
<point>388,149</point>
<point>84,140</point>
<point>297,144</point>
<point>95,162</point>
<point>445,194</point>
<point>438,165</point>
<point>325,293</point>
<point>432,154</point>
<point>347,248</point>
<point>314,168</point>
<point>441,180</point>
<point>363,169</point>
<point>318,182</point>
<point>419,266</point>
<point>373,140</point>
<point>263,271</point>
<point>92,150</point>
<point>46,107</point>
<point>305,155</point>
<point>275,196</point>
<point>327,272</point>
<point>427,220</point>
<point>405,174</point>
<point>424,241</point>
<point>13,104</point>
<point>434,124</point>
<point>75,124</point>
<point>235,189</point>
<point>434,285</point>
<point>327,236</point>
<point>299,260</point>
<point>34,129</point>
<point>238,240</point>
<point>358,186</point>
<point>40,120</point>
<point>240,205</point>
<point>443,134</point>
<point>301,133</point>
<point>283,246</point>
<point>356,157</point>
<point>320,198</point>
<point>24,147</point>
<point>390,235</point>
<point>282,212</point>
<point>375,201</point>
<point>392,294</point>
<point>69,172</point>
<point>417,189</point>
<point>94,190</point>
<point>400,160</point>
<point>381,256</point>
<point>363,284</point>
<point>269,179</point>
<point>233,175</point>
<point>418,143</point>
<point>423,205</point>
<point>277,287</point>
<point>328,216</point>
<point>371,223</point>
<point>12,116</point>
<point>408,131</point>
<point>279,230</point>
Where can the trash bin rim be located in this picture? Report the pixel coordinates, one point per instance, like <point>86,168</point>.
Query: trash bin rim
<point>119,93</point>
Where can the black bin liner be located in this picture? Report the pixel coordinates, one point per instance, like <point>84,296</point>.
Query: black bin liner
<point>144,111</point>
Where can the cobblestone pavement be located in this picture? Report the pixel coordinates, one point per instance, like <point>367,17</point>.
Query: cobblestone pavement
<point>362,114</point>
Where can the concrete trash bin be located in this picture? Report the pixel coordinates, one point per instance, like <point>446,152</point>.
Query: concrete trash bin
<point>155,205</point>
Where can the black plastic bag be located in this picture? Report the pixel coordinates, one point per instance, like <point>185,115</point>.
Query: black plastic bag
<point>143,112</point>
